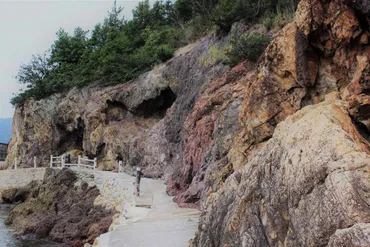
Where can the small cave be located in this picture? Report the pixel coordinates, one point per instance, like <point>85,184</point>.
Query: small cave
<point>158,106</point>
<point>364,112</point>
<point>362,129</point>
<point>100,151</point>
<point>115,111</point>
<point>362,18</point>
<point>70,140</point>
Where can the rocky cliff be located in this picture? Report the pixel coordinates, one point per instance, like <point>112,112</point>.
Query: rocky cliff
<point>308,186</point>
<point>324,50</point>
<point>140,122</point>
<point>212,132</point>
<point>301,177</point>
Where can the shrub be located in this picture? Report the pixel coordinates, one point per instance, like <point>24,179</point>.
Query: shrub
<point>277,20</point>
<point>228,12</point>
<point>246,46</point>
<point>214,55</point>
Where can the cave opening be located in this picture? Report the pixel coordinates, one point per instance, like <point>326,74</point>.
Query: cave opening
<point>158,106</point>
<point>360,120</point>
<point>100,151</point>
<point>362,129</point>
<point>71,140</point>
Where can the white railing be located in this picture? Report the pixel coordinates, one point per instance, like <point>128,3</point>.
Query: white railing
<point>120,167</point>
<point>88,163</point>
<point>16,163</point>
<point>58,161</point>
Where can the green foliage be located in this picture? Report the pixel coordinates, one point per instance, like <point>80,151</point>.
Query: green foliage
<point>224,13</point>
<point>214,55</point>
<point>246,47</point>
<point>68,49</point>
<point>118,50</point>
<point>227,12</point>
<point>285,11</point>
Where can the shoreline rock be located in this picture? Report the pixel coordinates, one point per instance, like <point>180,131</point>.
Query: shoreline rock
<point>56,209</point>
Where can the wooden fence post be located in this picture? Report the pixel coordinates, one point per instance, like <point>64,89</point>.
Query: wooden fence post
<point>51,161</point>
<point>95,161</point>
<point>79,161</point>
<point>34,162</point>
<point>15,163</point>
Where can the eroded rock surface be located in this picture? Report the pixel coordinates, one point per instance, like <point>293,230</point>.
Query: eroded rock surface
<point>207,130</point>
<point>139,122</point>
<point>57,210</point>
<point>308,186</point>
<point>324,50</point>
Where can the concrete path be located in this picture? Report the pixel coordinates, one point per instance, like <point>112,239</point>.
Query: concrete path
<point>164,224</point>
<point>150,220</point>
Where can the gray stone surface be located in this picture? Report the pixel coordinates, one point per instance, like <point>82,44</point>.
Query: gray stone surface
<point>163,225</point>
<point>19,178</point>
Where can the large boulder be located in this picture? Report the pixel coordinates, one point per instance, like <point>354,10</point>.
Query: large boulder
<point>308,186</point>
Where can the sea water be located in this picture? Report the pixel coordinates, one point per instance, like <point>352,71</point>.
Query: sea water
<point>7,239</point>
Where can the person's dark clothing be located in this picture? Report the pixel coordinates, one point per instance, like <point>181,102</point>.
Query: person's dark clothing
<point>139,174</point>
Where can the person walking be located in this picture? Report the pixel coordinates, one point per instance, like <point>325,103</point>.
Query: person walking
<point>138,180</point>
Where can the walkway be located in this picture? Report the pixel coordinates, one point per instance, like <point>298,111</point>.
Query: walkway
<point>164,224</point>
<point>151,220</point>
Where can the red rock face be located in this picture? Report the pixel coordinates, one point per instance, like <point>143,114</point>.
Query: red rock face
<point>207,118</point>
<point>324,52</point>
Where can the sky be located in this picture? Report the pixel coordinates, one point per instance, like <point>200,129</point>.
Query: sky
<point>29,27</point>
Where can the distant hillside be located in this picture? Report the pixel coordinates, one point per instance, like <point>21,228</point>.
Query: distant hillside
<point>5,129</point>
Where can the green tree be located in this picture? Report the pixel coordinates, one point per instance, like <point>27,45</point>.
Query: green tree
<point>35,71</point>
<point>68,49</point>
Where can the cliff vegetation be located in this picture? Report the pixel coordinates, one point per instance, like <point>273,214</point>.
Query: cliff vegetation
<point>118,50</point>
